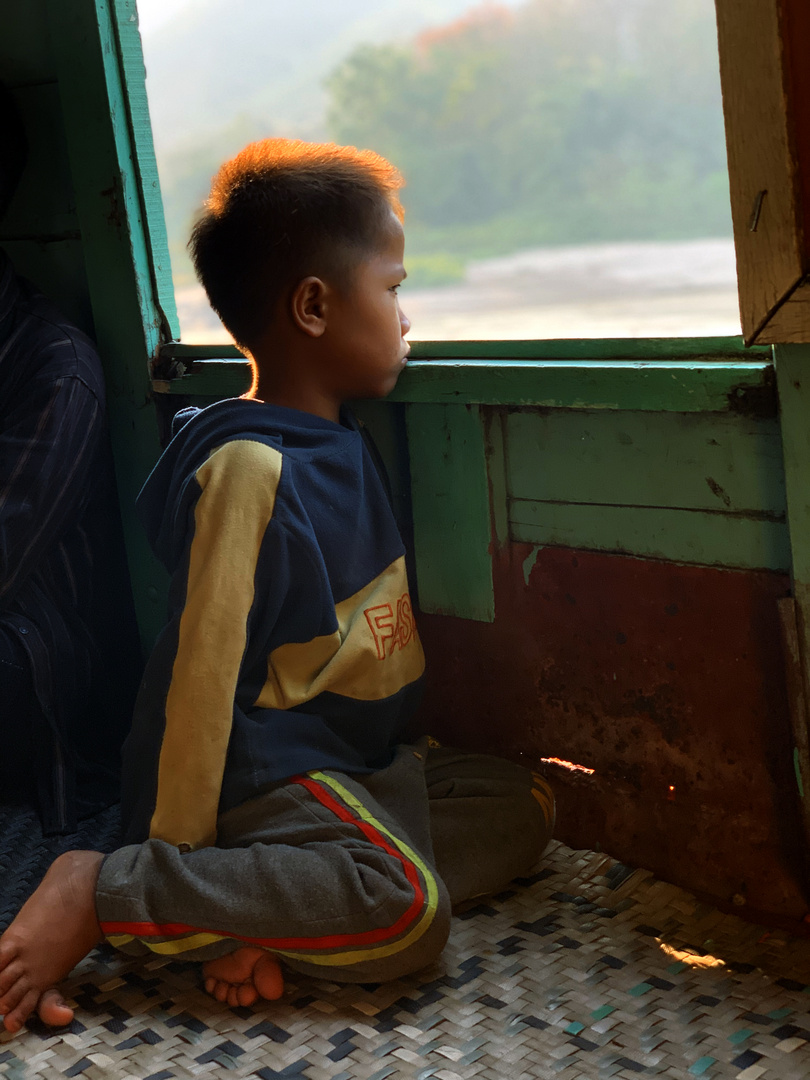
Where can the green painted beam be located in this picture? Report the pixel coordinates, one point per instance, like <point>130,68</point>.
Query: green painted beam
<point>677,386</point>
<point>668,386</point>
<point>685,536</point>
<point>694,461</point>
<point>117,254</point>
<point>133,76</point>
<point>792,368</point>
<point>705,349</point>
<point>451,518</point>
<point>213,378</point>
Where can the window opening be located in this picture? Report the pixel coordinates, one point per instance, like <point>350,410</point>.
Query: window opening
<point>565,159</point>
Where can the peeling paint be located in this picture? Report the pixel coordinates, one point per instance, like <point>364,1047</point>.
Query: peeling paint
<point>529,561</point>
<point>719,491</point>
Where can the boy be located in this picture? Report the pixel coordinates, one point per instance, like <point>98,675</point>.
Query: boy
<point>269,811</point>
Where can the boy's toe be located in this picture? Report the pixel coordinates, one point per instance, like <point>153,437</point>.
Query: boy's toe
<point>53,1010</point>
<point>8,976</point>
<point>246,994</point>
<point>15,1019</point>
<point>14,995</point>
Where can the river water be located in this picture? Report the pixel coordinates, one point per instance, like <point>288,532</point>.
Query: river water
<point>639,289</point>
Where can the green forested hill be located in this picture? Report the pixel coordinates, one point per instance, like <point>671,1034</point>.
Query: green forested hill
<point>223,72</point>
<point>516,125</point>
<point>560,121</point>
<point>265,60</point>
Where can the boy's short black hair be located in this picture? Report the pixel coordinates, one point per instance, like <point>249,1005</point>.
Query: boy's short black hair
<point>13,147</point>
<point>283,209</point>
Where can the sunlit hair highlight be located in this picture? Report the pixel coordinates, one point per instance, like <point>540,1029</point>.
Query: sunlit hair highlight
<point>281,210</point>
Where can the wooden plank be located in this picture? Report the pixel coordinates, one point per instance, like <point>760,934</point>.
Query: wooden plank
<point>117,260</point>
<point>685,536</point>
<point>26,56</point>
<point>691,461</point>
<point>790,323</point>
<point>797,703</point>
<point>678,386</point>
<point>795,37</point>
<point>43,207</point>
<point>133,74</point>
<point>495,442</point>
<point>386,425</point>
<point>57,268</point>
<point>451,515</point>
<point>705,349</point>
<point>764,198</point>
<point>792,366</point>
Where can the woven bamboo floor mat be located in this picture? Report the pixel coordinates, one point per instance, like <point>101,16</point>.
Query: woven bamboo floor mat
<point>584,969</point>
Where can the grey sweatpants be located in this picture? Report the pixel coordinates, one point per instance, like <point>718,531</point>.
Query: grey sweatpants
<point>349,877</point>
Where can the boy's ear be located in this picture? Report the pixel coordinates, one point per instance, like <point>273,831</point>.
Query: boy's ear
<point>308,306</point>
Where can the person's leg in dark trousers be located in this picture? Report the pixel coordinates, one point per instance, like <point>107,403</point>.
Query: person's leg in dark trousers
<point>17,705</point>
<point>490,820</point>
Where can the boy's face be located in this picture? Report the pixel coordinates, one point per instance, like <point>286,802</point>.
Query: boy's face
<point>365,327</point>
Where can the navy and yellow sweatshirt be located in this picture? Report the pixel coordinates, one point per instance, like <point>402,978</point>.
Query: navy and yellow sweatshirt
<point>291,643</point>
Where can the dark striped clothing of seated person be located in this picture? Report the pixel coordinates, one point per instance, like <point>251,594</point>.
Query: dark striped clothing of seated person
<point>69,656</point>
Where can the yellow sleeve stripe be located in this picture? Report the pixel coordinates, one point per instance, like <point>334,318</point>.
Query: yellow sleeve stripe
<point>239,482</point>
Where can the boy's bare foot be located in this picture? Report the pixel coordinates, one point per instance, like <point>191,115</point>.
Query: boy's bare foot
<point>56,928</point>
<point>243,976</point>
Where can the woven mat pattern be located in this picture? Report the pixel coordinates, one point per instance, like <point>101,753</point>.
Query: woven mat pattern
<point>586,969</point>
<point>25,854</point>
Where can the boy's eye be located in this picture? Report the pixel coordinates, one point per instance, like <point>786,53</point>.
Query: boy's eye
<point>396,288</point>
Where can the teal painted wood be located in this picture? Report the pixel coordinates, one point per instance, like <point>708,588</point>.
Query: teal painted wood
<point>214,378</point>
<point>133,76</point>
<point>43,207</point>
<point>117,259</point>
<point>386,425</point>
<point>40,230</point>
<point>495,443</point>
<point>590,349</point>
<point>685,536</point>
<point>451,517</point>
<point>57,269</point>
<point>26,56</point>
<point>178,350</point>
<point>690,460</point>
<point>676,386</point>
<point>704,349</point>
<point>792,367</point>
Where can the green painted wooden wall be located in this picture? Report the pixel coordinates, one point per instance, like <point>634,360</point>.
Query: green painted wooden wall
<point>41,232</point>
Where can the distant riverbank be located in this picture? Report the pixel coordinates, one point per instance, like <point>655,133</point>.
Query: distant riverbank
<point>640,289</point>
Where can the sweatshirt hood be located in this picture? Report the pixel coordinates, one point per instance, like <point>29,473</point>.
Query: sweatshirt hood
<point>170,491</point>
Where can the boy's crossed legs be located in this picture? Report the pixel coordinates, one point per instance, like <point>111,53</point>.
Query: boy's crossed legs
<point>333,874</point>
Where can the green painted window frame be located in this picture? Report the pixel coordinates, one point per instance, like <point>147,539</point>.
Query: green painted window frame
<point>672,375</point>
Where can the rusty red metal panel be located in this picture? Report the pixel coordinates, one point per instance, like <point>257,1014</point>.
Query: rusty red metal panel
<point>667,681</point>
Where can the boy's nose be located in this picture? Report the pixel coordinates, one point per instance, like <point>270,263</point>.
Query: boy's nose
<point>404,322</point>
